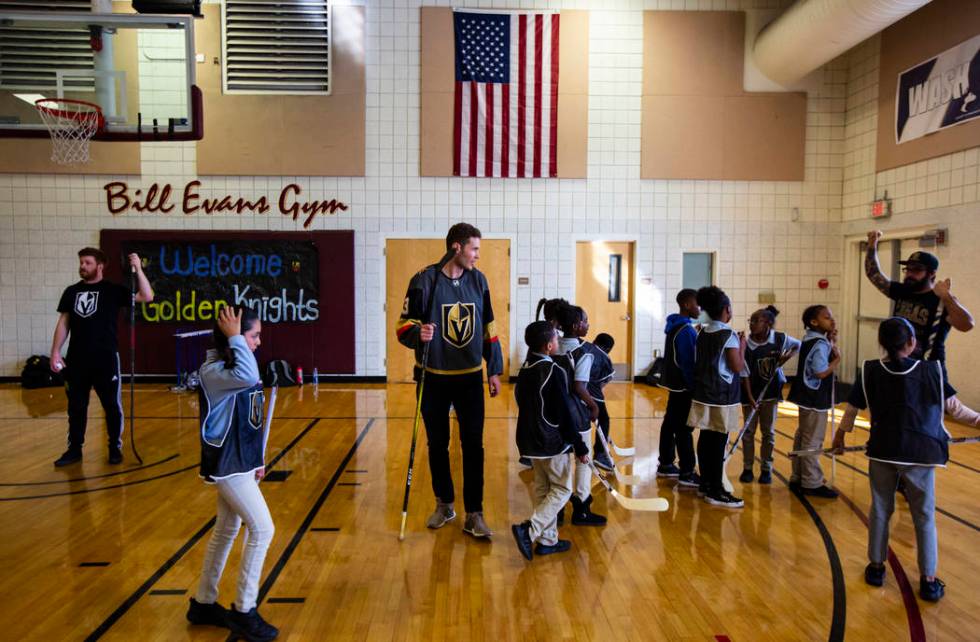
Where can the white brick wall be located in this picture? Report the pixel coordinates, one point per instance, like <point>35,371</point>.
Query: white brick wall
<point>761,243</point>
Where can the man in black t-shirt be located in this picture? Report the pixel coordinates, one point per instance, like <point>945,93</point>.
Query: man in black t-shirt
<point>931,309</point>
<point>89,311</point>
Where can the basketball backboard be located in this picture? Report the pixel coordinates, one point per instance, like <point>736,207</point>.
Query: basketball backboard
<point>138,68</point>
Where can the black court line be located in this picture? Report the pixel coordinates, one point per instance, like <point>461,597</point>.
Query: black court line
<point>349,484</point>
<point>87,564</point>
<point>942,511</point>
<point>168,592</point>
<point>128,603</point>
<point>839,618</point>
<point>325,529</point>
<point>78,479</point>
<point>285,600</point>
<point>83,491</point>
<point>287,553</point>
<point>355,470</point>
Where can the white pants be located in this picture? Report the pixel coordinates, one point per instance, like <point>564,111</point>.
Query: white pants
<point>239,499</point>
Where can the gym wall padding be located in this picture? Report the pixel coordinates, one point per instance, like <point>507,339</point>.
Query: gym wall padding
<point>697,120</point>
<point>33,155</point>
<point>934,28</point>
<point>437,83</point>
<point>282,135</point>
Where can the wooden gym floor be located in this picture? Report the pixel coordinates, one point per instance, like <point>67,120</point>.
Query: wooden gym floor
<point>113,553</point>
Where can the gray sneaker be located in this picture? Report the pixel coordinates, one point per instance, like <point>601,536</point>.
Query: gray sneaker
<point>442,514</point>
<point>475,526</point>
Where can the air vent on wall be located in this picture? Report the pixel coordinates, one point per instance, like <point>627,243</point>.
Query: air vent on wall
<point>30,56</point>
<point>278,47</point>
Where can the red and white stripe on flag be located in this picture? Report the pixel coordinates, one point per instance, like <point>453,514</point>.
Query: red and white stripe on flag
<point>510,129</point>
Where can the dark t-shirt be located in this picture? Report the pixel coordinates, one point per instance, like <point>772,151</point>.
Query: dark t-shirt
<point>927,314</point>
<point>93,313</point>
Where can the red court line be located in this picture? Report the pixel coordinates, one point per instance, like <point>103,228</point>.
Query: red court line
<point>722,638</point>
<point>917,631</point>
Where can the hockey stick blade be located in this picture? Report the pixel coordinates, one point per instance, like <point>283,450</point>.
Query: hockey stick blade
<point>646,504</point>
<point>622,478</point>
<point>624,452</point>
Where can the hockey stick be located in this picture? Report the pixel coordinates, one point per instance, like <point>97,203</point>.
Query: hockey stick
<point>448,256</point>
<point>132,363</point>
<point>853,449</point>
<point>624,452</point>
<point>650,504</point>
<point>622,478</point>
<point>271,409</point>
<point>726,483</point>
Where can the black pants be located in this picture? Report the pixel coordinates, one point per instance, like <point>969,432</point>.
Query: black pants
<point>102,373</point>
<point>603,421</point>
<point>711,459</point>
<point>674,432</point>
<point>465,394</point>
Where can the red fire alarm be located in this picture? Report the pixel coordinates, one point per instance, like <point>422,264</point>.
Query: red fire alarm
<point>823,284</point>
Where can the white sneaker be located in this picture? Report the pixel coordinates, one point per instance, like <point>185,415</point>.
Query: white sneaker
<point>726,500</point>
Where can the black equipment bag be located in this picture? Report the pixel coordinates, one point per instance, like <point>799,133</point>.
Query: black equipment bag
<point>37,373</point>
<point>278,373</point>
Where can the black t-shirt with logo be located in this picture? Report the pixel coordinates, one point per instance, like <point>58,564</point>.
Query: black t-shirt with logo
<point>927,314</point>
<point>93,315</point>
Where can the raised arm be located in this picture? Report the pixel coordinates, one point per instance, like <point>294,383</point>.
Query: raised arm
<point>144,293</point>
<point>871,266</point>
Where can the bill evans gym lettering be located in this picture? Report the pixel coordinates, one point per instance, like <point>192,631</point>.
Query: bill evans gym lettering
<point>160,199</point>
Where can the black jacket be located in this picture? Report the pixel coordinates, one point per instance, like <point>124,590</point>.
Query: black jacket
<point>547,412</point>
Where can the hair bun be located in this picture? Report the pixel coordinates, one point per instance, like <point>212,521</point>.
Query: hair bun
<point>773,309</point>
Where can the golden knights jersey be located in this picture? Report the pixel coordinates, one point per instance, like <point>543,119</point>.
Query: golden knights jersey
<point>231,436</point>
<point>461,309</point>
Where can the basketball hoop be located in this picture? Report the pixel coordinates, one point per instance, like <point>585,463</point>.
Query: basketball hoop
<point>72,124</point>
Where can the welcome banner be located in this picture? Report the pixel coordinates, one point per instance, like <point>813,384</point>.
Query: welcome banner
<point>939,93</point>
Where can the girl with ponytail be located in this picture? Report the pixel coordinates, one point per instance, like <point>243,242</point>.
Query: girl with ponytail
<point>908,441</point>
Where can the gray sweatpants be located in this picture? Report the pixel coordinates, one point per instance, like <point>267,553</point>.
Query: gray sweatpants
<point>809,436</point>
<point>765,417</point>
<point>920,489</point>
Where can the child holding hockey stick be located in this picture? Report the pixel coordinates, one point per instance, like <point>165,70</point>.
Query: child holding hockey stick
<point>812,392</point>
<point>232,458</point>
<point>576,359</point>
<point>548,423</point>
<point>908,442</point>
<point>719,358</point>
<point>766,351</point>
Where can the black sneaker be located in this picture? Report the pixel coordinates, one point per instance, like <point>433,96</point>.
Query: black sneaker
<point>69,457</point>
<point>522,535</point>
<point>559,547</point>
<point>582,515</point>
<point>115,456</point>
<point>207,614</point>
<point>765,477</point>
<point>747,476</point>
<point>689,480</point>
<point>524,461</point>
<point>670,470</point>
<point>931,591</point>
<point>874,574</point>
<point>721,498</point>
<point>250,625</point>
<point>795,486</point>
<point>603,461</point>
<point>821,491</point>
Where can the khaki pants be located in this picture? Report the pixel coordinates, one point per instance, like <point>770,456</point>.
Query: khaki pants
<point>765,417</point>
<point>809,436</point>
<point>552,489</point>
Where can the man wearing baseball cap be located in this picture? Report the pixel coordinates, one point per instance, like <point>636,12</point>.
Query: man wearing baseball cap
<point>931,309</point>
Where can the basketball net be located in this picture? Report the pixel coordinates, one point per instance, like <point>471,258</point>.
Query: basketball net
<point>72,124</point>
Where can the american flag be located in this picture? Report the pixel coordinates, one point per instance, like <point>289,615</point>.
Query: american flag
<point>506,111</point>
